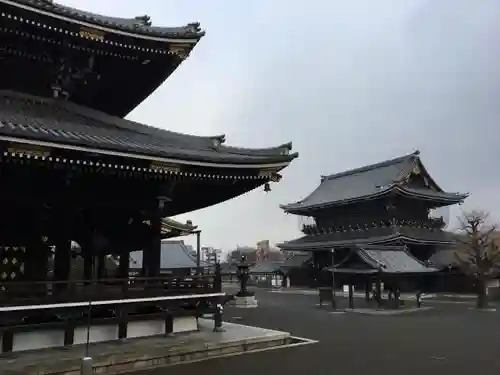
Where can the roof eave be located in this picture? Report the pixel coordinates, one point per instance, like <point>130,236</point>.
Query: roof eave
<point>190,33</point>
<point>450,198</point>
<point>294,208</point>
<point>278,163</point>
<point>363,241</point>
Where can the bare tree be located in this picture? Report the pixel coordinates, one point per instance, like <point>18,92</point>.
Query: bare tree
<point>477,254</point>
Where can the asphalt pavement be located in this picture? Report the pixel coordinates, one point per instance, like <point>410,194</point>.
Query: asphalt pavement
<point>449,339</point>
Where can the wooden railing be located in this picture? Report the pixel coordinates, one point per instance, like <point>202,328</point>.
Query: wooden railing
<point>28,293</point>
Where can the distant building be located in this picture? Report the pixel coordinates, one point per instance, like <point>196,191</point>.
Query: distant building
<point>211,255</point>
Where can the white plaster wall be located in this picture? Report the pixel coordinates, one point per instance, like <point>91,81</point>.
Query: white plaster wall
<point>55,338</point>
<point>97,334</point>
<point>37,340</point>
<point>185,324</point>
<point>145,328</point>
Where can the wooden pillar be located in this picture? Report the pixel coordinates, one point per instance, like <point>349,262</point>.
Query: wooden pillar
<point>122,322</point>
<point>378,291</point>
<point>123,271</point>
<point>169,323</point>
<point>7,341</point>
<point>155,258</point>
<point>351,296</point>
<point>151,257</point>
<point>368,287</point>
<point>198,249</point>
<point>69,332</point>
<point>61,222</point>
<point>35,256</point>
<point>87,246</point>
<point>217,279</point>
<point>101,265</point>
<point>88,262</point>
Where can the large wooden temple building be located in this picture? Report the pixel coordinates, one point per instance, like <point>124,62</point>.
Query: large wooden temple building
<point>73,169</point>
<point>387,205</point>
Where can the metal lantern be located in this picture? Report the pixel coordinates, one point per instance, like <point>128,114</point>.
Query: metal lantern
<point>243,274</point>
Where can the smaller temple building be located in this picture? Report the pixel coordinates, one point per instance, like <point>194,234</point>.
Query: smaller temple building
<point>176,259</point>
<point>368,267</point>
<point>384,204</point>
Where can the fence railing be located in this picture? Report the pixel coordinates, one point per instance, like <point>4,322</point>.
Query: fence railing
<point>29,292</point>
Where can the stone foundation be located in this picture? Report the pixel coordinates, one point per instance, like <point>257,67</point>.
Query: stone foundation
<point>45,339</point>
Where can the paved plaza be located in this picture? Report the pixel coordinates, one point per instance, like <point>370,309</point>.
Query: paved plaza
<point>449,339</point>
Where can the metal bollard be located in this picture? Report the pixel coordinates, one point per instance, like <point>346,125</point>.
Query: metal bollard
<point>86,366</point>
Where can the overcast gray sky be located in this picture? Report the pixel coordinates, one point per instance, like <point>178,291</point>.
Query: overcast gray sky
<point>349,82</point>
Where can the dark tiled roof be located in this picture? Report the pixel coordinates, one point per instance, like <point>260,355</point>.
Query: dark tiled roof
<point>369,181</point>
<point>444,257</point>
<point>131,25</point>
<point>369,236</point>
<point>66,123</point>
<point>183,227</point>
<point>266,267</point>
<point>389,259</point>
<point>174,254</point>
<point>296,260</point>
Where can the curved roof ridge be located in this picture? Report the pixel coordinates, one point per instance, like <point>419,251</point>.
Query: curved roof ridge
<point>366,168</point>
<point>140,25</point>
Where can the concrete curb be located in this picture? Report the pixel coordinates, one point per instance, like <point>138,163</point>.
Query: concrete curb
<point>387,312</point>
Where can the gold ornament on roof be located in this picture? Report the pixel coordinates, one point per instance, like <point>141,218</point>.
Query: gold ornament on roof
<point>416,170</point>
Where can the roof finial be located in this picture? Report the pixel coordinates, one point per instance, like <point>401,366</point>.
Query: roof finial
<point>416,152</point>
<point>143,21</point>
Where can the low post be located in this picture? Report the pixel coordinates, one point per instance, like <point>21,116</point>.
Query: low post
<point>86,366</point>
<point>244,298</point>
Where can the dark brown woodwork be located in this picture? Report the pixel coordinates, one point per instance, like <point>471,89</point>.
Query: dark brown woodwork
<point>7,340</point>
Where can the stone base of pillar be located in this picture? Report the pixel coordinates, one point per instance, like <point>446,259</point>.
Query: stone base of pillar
<point>248,302</point>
